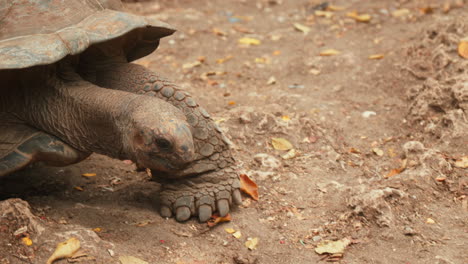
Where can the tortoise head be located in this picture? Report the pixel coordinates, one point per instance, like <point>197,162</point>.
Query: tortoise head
<point>161,142</point>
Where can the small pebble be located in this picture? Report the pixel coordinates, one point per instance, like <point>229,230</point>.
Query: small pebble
<point>367,114</point>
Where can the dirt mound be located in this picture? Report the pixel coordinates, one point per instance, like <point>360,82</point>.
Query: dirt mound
<point>440,98</point>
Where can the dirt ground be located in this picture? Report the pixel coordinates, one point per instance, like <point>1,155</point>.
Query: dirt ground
<point>380,144</point>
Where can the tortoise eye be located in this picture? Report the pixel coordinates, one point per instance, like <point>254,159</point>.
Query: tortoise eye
<point>163,143</point>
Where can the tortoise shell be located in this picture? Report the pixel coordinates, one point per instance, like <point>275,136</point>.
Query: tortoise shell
<point>41,32</point>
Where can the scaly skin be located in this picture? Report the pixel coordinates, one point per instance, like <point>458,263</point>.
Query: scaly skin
<point>211,182</point>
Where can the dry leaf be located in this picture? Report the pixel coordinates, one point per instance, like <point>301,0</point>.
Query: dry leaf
<point>219,32</point>
<point>231,103</point>
<point>131,260</point>
<point>88,174</point>
<point>355,151</point>
<point>216,219</point>
<point>462,162</point>
<point>271,80</point>
<point>314,71</point>
<point>190,65</point>
<point>378,152</point>
<point>463,48</point>
<point>427,10</point>
<point>291,154</point>
<point>376,56</point>
<point>65,250</point>
<point>230,230</point>
<point>281,144</point>
<point>27,241</point>
<point>360,18</point>
<point>249,41</point>
<point>248,186</point>
<point>332,247</point>
<point>241,29</point>
<point>394,172</point>
<point>321,13</point>
<point>302,28</point>
<point>400,12</point>
<point>223,60</point>
<point>78,188</point>
<point>430,221</point>
<point>97,229</point>
<point>252,243</point>
<point>335,8</point>
<point>237,234</point>
<point>440,179</point>
<point>286,118</point>
<point>329,52</point>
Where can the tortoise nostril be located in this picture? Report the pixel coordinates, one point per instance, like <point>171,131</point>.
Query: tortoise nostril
<point>163,143</point>
<point>184,148</point>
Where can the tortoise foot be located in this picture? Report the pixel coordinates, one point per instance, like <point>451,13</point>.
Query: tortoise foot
<point>201,195</point>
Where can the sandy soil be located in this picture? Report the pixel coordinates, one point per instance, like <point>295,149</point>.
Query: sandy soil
<point>379,142</point>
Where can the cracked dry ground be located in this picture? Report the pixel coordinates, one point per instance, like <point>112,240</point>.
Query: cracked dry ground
<point>336,186</point>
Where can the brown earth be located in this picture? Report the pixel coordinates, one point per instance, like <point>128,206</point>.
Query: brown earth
<point>352,121</point>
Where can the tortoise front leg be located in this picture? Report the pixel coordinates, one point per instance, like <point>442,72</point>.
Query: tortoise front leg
<point>216,184</point>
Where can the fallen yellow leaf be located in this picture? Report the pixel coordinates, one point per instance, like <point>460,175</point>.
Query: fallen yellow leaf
<point>430,221</point>
<point>329,52</point>
<point>376,56</point>
<point>252,243</point>
<point>79,188</point>
<point>360,18</point>
<point>401,12</point>
<point>321,13</point>
<point>248,186</point>
<point>463,48</point>
<point>281,144</point>
<point>332,247</point>
<point>97,229</point>
<point>335,8</point>
<point>27,241</point>
<point>230,230</point>
<point>190,65</point>
<point>462,162</point>
<point>249,41</point>
<point>378,152</point>
<point>65,250</point>
<point>223,60</point>
<point>237,234</point>
<point>88,174</point>
<point>302,28</point>
<point>291,154</point>
<point>219,32</point>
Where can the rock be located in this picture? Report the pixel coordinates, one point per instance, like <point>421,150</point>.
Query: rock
<point>408,231</point>
<point>17,212</point>
<point>412,147</point>
<point>267,161</point>
<point>374,205</point>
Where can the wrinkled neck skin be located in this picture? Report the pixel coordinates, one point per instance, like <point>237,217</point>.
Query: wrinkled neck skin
<point>56,100</point>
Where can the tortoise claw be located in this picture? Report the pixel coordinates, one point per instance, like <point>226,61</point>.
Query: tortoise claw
<point>183,214</point>
<point>223,207</point>
<point>236,197</point>
<point>165,211</point>
<point>204,213</point>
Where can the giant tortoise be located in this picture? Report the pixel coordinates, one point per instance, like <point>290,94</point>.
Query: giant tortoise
<point>68,88</point>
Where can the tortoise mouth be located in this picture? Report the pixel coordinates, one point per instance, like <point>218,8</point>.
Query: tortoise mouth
<point>158,163</point>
